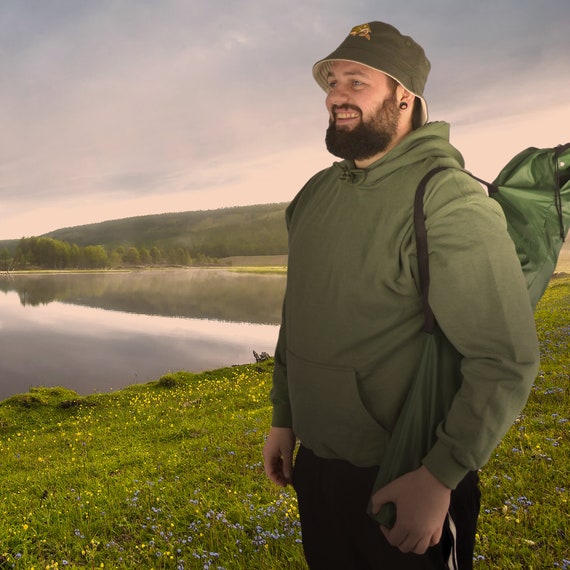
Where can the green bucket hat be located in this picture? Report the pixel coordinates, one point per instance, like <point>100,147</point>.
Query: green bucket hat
<point>382,47</point>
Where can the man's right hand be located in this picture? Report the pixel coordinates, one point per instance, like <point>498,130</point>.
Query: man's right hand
<point>278,455</point>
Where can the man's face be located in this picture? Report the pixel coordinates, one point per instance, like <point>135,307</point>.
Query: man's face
<point>363,111</point>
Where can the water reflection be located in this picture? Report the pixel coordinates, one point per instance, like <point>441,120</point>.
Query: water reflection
<point>55,331</point>
<point>197,293</point>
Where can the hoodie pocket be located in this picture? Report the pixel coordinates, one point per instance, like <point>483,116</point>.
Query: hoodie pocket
<point>328,414</point>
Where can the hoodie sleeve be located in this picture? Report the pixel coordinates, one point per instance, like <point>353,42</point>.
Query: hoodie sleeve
<point>479,297</point>
<point>280,390</point>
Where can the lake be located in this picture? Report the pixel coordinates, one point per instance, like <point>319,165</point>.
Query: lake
<point>99,332</point>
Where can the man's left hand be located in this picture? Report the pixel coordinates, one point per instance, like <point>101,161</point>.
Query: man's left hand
<point>422,502</point>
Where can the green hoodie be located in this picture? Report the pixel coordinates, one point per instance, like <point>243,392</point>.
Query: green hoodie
<point>351,334</point>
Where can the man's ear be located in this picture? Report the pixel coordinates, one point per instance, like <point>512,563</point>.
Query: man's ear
<point>404,96</point>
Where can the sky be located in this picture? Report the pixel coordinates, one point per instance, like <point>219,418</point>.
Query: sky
<point>118,108</point>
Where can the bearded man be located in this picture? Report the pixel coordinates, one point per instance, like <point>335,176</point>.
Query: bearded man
<point>351,336</point>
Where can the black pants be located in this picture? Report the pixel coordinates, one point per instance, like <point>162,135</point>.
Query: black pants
<point>339,535</point>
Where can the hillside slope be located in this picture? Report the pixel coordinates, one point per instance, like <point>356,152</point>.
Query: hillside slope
<point>245,230</point>
<point>227,232</point>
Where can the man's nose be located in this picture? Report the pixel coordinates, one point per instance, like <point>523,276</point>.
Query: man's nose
<point>338,96</point>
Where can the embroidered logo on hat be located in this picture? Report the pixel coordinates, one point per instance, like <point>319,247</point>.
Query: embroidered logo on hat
<point>363,31</point>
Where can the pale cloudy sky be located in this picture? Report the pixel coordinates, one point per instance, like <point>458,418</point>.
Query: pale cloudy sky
<point>118,108</point>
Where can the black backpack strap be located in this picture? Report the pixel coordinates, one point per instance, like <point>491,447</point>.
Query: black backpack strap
<point>421,240</point>
<point>560,181</point>
<point>422,247</point>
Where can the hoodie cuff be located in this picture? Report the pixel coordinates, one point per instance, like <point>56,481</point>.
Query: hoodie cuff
<point>443,466</point>
<point>281,416</point>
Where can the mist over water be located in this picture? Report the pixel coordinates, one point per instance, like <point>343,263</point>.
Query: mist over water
<point>102,332</point>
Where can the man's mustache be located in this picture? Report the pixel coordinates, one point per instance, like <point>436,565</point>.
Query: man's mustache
<point>345,107</point>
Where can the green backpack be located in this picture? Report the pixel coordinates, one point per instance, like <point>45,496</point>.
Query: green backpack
<point>533,190</point>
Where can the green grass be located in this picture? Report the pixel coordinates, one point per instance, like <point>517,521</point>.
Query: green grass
<point>163,475</point>
<point>169,474</point>
<point>525,523</point>
<point>259,270</point>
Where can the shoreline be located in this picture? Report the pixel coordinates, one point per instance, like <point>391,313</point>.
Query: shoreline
<point>254,263</point>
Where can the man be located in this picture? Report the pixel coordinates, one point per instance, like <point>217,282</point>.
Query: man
<point>351,334</point>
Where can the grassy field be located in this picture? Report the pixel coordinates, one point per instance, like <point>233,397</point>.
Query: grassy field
<point>256,261</point>
<point>525,523</point>
<point>168,475</point>
<point>563,265</point>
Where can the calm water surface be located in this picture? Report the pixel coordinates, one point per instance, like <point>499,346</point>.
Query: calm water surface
<point>102,332</point>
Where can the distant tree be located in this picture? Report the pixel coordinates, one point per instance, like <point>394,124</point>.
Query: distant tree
<point>132,256</point>
<point>145,256</point>
<point>202,259</point>
<point>62,254</point>
<point>185,257</point>
<point>155,255</point>
<point>179,256</point>
<point>55,254</point>
<point>74,255</point>
<point>93,257</point>
<point>172,256</point>
<point>5,259</point>
<point>43,252</point>
<point>24,252</point>
<point>116,258</point>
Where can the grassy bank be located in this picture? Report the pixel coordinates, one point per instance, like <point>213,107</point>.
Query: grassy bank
<point>169,474</point>
<point>281,270</point>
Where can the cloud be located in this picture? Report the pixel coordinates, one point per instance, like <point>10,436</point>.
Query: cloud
<point>126,103</point>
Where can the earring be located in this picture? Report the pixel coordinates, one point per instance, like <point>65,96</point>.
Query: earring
<point>403,105</point>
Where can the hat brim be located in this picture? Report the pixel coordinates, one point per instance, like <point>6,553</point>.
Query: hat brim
<point>321,71</point>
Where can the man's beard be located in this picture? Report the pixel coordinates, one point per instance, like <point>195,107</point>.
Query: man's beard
<point>366,139</point>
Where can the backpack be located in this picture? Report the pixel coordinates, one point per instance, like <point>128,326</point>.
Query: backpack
<point>533,190</point>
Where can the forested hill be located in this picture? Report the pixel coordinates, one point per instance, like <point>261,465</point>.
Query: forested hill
<point>226,232</point>
<point>243,230</point>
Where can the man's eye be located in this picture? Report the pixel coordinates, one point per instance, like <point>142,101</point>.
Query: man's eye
<point>332,84</point>
<point>357,83</point>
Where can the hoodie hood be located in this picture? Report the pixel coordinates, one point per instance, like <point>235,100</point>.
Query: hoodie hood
<point>430,142</point>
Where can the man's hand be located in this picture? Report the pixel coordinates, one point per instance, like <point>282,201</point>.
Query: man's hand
<point>278,455</point>
<point>421,503</point>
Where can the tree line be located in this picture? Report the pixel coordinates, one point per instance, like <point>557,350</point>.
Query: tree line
<point>50,253</point>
